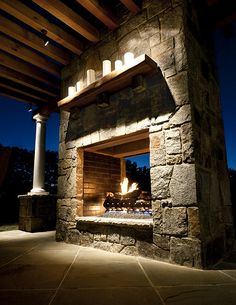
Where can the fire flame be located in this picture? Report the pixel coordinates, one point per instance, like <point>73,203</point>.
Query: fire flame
<point>125,186</point>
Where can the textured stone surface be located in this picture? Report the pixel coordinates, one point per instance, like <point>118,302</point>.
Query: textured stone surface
<point>172,141</point>
<point>193,222</point>
<point>157,149</point>
<point>127,240</point>
<point>160,180</point>
<point>183,185</point>
<point>183,115</point>
<point>178,85</point>
<point>187,142</point>
<point>162,241</point>
<point>174,221</point>
<point>185,251</point>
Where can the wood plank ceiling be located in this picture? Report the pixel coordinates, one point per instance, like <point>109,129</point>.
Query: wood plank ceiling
<point>29,71</point>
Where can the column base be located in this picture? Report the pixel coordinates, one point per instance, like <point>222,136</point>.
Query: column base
<point>37,212</point>
<point>37,191</point>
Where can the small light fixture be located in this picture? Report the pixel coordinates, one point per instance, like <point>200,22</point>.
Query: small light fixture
<point>44,37</point>
<point>30,108</point>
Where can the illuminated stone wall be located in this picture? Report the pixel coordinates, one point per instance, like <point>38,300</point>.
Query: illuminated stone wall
<point>190,190</point>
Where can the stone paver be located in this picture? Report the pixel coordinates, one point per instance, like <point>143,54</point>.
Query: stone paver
<point>34,269</point>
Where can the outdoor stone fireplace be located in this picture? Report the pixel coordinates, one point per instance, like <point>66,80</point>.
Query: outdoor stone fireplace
<point>165,103</point>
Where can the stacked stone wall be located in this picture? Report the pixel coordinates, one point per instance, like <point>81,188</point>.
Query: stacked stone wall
<point>180,109</point>
<point>213,193</point>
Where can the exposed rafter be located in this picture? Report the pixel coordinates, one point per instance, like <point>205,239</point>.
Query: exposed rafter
<point>131,5</point>
<point>101,13</point>
<point>27,55</point>
<point>39,22</point>
<point>70,18</point>
<point>24,68</point>
<point>26,81</point>
<point>32,40</point>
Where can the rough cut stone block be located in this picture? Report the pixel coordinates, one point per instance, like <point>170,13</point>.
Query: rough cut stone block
<point>160,180</point>
<point>162,241</point>
<point>183,115</point>
<point>127,240</point>
<point>157,216</point>
<point>185,251</point>
<point>172,141</point>
<point>174,221</point>
<point>171,23</point>
<point>180,53</point>
<point>178,85</point>
<point>157,149</point>
<point>173,159</point>
<point>113,238</point>
<point>193,222</point>
<point>187,142</point>
<point>130,250</point>
<point>158,7</point>
<point>183,185</point>
<point>149,28</point>
<point>150,250</point>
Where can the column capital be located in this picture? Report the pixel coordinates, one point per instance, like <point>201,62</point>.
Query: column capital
<point>41,117</point>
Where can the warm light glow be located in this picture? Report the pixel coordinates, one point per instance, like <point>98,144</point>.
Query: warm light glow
<point>78,86</point>
<point>118,64</point>
<point>128,58</point>
<point>106,67</point>
<point>71,90</point>
<point>125,186</point>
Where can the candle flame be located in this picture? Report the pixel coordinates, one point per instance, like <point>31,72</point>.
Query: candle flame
<point>125,186</point>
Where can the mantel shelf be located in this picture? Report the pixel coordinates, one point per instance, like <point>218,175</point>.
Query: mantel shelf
<point>112,82</point>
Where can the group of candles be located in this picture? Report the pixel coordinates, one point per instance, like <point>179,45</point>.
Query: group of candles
<point>106,69</point>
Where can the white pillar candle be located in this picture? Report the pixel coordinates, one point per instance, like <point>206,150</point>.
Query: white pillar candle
<point>78,86</point>
<point>118,64</point>
<point>90,76</point>
<point>128,58</point>
<point>71,91</point>
<point>106,67</point>
<point>39,155</point>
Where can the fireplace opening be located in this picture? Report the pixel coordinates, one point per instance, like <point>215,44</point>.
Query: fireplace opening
<point>113,183</point>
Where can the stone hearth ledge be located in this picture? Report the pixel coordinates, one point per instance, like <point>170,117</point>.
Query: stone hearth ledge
<point>119,222</point>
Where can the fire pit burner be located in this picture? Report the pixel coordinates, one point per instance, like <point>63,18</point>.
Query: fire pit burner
<point>132,201</point>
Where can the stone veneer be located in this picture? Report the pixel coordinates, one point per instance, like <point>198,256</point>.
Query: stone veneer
<point>192,220</point>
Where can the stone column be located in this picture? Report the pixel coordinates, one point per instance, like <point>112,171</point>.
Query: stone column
<point>39,156</point>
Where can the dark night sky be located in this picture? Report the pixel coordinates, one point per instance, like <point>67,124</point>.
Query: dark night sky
<point>18,129</point>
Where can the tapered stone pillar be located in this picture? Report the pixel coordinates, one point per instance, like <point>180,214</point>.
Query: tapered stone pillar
<point>39,155</point>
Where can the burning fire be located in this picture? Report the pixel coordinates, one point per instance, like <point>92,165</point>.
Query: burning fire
<point>125,186</point>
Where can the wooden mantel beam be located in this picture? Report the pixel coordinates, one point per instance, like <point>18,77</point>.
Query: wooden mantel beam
<point>131,5</point>
<point>101,13</point>
<point>70,18</point>
<point>39,22</point>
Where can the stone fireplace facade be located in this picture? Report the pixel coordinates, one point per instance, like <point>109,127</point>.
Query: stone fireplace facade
<point>175,116</point>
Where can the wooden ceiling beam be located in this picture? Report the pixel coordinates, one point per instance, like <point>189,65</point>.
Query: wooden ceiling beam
<point>24,80</point>
<point>26,69</point>
<point>30,94</point>
<point>101,13</point>
<point>19,95</point>
<point>16,97</point>
<point>70,18</point>
<point>131,5</point>
<point>39,22</point>
<point>27,55</point>
<point>32,40</point>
